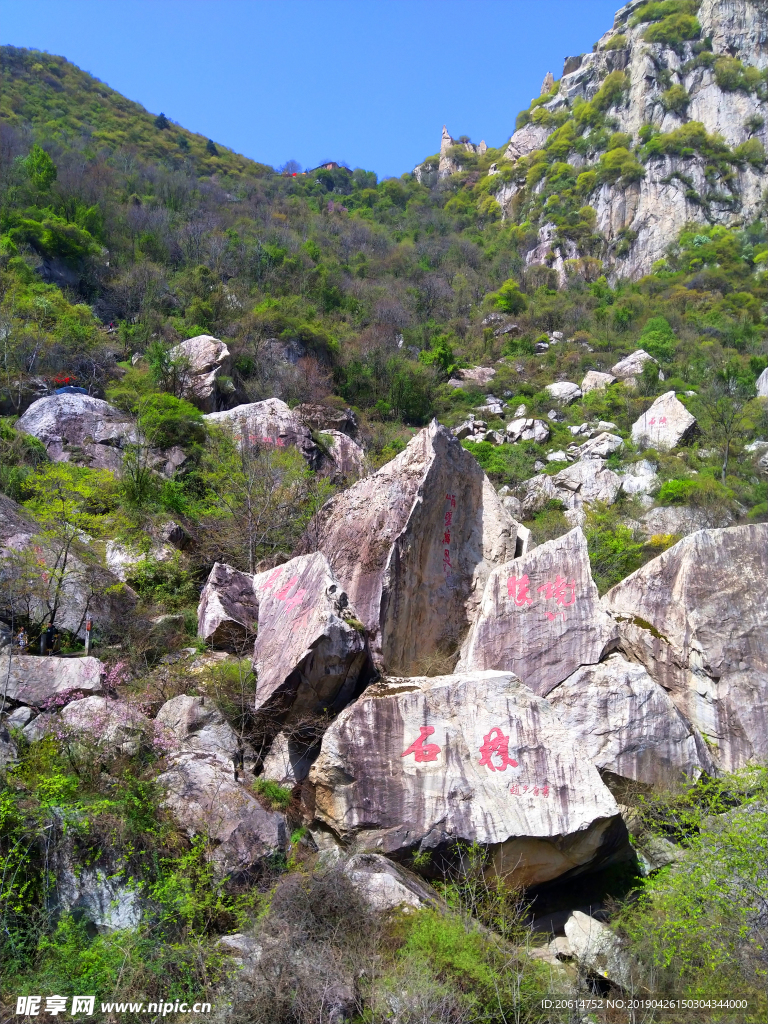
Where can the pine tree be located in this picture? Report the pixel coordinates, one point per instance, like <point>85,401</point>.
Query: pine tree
<point>210,147</point>
<point>162,122</point>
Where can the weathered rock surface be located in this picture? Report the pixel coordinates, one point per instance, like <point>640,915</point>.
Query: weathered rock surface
<point>697,618</point>
<point>587,481</point>
<point>480,375</point>
<point>537,492</point>
<point>599,950</point>
<point>289,760</point>
<point>526,139</point>
<point>417,764</point>
<point>413,544</point>
<point>594,380</point>
<point>78,428</point>
<point>628,724</point>
<point>564,392</point>
<point>682,520</point>
<point>121,558</point>
<point>629,369</point>
<point>207,360</point>
<point>324,417</point>
<point>203,796</point>
<point>195,723</point>
<point>761,384</point>
<point>270,422</point>
<point>385,885</point>
<point>522,429</point>
<point>541,617</point>
<point>310,654</point>
<point>8,752</point>
<point>601,447</point>
<point>228,612</point>
<point>346,456</point>
<point>665,425</point>
<point>33,680</point>
<point>640,478</point>
<point>112,724</point>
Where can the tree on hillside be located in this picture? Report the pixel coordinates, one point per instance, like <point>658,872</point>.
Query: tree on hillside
<point>210,147</point>
<point>162,122</point>
<point>722,413</point>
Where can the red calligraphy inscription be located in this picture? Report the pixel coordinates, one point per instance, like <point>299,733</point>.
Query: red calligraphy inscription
<point>560,590</point>
<point>270,581</point>
<point>282,594</point>
<point>452,499</point>
<point>496,744</point>
<point>521,790</point>
<point>517,589</point>
<point>421,750</point>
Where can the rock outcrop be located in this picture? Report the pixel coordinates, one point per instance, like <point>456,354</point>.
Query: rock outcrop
<point>109,724</point>
<point>418,764</point>
<point>206,360</point>
<point>385,885</point>
<point>33,681</point>
<point>195,723</point>
<point>665,425</point>
<point>228,612</point>
<point>310,654</point>
<point>594,380</point>
<point>413,544</point>
<point>628,369</point>
<point>324,417</point>
<point>563,392</point>
<point>270,422</point>
<point>78,428</point>
<point>540,617</point>
<point>201,793</point>
<point>761,384</point>
<point>697,618</point>
<point>628,724</point>
<point>522,429</point>
<point>345,457</point>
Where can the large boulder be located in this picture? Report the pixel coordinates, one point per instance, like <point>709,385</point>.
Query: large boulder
<point>601,446</point>
<point>587,481</point>
<point>385,885</point>
<point>665,425</point>
<point>33,681</point>
<point>761,384</point>
<point>640,478</point>
<point>206,360</point>
<point>325,418</point>
<point>346,459</point>
<point>631,367</point>
<point>228,612</point>
<point>594,380</point>
<point>599,951</point>
<point>697,618</point>
<point>421,764</point>
<point>111,724</point>
<point>310,654</point>
<point>682,520</point>
<point>8,752</point>
<point>541,617</point>
<point>563,392</point>
<point>202,794</point>
<point>289,759</point>
<point>628,724</point>
<point>413,544</point>
<point>195,723</point>
<point>272,423</point>
<point>78,428</point>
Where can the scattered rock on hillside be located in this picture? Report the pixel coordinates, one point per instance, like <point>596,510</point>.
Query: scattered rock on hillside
<point>540,617</point>
<point>8,752</point>
<point>539,490</point>
<point>628,724</point>
<point>310,654</point>
<point>195,723</point>
<point>697,618</point>
<point>476,756</point>
<point>599,950</point>
<point>640,478</point>
<point>289,760</point>
<point>480,375</point>
<point>587,481</point>
<point>523,429</point>
<point>682,520</point>
<point>761,384</point>
<point>564,391</point>
<point>665,425</point>
<point>270,422</point>
<point>228,612</point>
<point>326,418</point>
<point>109,723</point>
<point>385,885</point>
<point>601,447</point>
<point>413,544</point>
<point>207,360</point>
<point>202,795</point>
<point>347,458</point>
<point>596,381</point>
<point>78,428</point>
<point>33,680</point>
<point>630,368</point>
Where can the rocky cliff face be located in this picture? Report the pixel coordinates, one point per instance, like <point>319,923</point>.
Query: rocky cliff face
<point>671,118</point>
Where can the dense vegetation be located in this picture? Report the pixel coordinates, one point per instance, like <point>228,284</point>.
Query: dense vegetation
<point>120,234</point>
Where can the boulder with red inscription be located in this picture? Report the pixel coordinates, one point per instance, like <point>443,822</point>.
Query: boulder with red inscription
<point>697,618</point>
<point>272,423</point>
<point>345,460</point>
<point>417,765</point>
<point>413,544</point>
<point>228,612</point>
<point>541,617</point>
<point>310,655</point>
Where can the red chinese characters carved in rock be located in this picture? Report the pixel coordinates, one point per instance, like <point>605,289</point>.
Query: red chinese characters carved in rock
<point>517,589</point>
<point>518,789</point>
<point>421,750</point>
<point>560,590</point>
<point>662,421</point>
<point>447,521</point>
<point>496,744</point>
<point>278,441</point>
<point>291,601</point>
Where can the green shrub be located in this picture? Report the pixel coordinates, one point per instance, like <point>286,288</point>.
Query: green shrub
<point>731,74</point>
<point>700,492</point>
<point>617,42</point>
<point>167,421</point>
<point>277,796</point>
<point>165,583</point>
<point>673,30</point>
<point>676,99</point>
<point>613,551</point>
<point>658,339</point>
<point>658,9</point>
<point>509,298</point>
<point>620,164</point>
<point>751,152</point>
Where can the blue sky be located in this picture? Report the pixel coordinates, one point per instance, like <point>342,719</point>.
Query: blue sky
<point>368,82</point>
